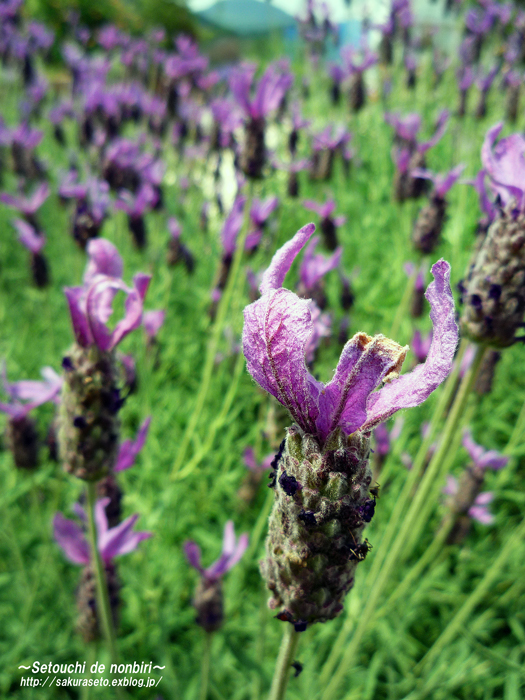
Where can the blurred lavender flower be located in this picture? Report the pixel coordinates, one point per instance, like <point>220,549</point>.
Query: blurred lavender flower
<point>34,244</point>
<point>325,146</point>
<point>28,206</point>
<point>153,322</point>
<point>467,501</point>
<point>260,212</point>
<point>135,207</point>
<point>177,251</point>
<point>426,234</point>
<point>383,442</point>
<point>421,345</point>
<point>329,224</point>
<point>21,433</point>
<point>208,598</point>
<point>484,83</point>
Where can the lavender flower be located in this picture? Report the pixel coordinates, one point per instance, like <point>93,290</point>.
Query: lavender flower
<point>260,212</point>
<point>494,292</point>
<point>21,433</point>
<point>426,234</point>
<point>325,145</point>
<point>467,501</point>
<point>383,442</point>
<point>111,542</point>
<point>250,485</point>
<point>153,322</point>
<point>34,243</point>
<point>208,599</point>
<point>269,93</point>
<point>484,83</point>
<point>177,251</point>
<point>421,345</point>
<point>329,224</point>
<point>28,206</point>
<point>88,420</point>
<point>322,473</point>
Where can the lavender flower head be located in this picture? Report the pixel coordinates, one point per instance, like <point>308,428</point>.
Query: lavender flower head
<point>494,292</point>
<point>88,420</point>
<point>313,268</point>
<point>208,599</point>
<point>322,472</point>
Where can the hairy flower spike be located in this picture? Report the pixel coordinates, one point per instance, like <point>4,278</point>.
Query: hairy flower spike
<point>322,478</point>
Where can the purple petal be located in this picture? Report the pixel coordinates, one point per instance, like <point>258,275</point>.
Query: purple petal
<point>77,308</point>
<point>277,328</point>
<point>505,164</point>
<point>121,539</point>
<point>493,460</point>
<point>364,364</point>
<point>475,451</point>
<point>193,555</point>
<point>129,449</point>
<point>152,322</point>
<point>413,388</point>
<point>249,459</point>
<point>28,237</point>
<point>104,259</point>
<point>382,438</point>
<point>484,498</point>
<point>481,514</point>
<point>282,261</point>
<point>70,537</point>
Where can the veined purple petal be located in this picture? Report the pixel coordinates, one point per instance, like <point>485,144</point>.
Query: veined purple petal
<point>282,261</point>
<point>76,299</point>
<point>413,388</point>
<point>363,365</point>
<point>277,328</point>
<point>104,259</point>
<point>70,537</point>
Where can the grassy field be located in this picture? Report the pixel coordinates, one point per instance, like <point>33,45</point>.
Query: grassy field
<point>457,631</point>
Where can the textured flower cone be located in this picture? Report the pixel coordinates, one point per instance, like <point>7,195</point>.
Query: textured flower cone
<point>39,270</point>
<point>356,92</point>
<point>406,186</point>
<point>494,291</point>
<point>322,164</point>
<point>329,231</point>
<point>137,227</point>
<point>512,103</point>
<point>253,156</point>
<point>88,624</point>
<point>88,417</point>
<point>22,440</point>
<point>322,503</point>
<point>109,488</point>
<point>470,486</point>
<point>209,604</point>
<point>84,226</point>
<point>429,224</point>
<point>485,377</point>
<point>293,185</point>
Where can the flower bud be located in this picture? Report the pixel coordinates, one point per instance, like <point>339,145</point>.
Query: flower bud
<point>322,503</point>
<point>208,602</point>
<point>494,291</point>
<point>22,440</point>
<point>429,224</point>
<point>88,416</point>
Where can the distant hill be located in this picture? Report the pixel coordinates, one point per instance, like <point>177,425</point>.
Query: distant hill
<point>245,17</point>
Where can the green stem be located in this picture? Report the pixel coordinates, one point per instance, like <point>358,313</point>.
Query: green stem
<point>215,340</point>
<point>382,550</point>
<point>458,621</point>
<point>103,604</point>
<point>205,667</point>
<point>411,518</point>
<point>284,662</point>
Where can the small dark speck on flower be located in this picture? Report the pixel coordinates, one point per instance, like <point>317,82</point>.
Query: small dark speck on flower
<point>289,484</point>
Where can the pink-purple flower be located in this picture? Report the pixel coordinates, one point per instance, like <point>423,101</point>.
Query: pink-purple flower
<point>232,551</point>
<point>278,327</point>
<point>111,542</point>
<point>90,305</point>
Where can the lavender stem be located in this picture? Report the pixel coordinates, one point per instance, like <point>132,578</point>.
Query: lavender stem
<point>103,604</point>
<point>284,662</point>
